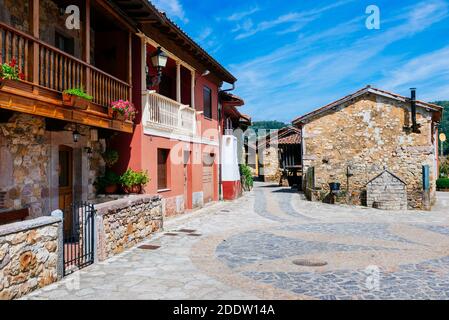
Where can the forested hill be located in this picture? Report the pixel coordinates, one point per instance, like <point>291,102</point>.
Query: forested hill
<point>444,126</point>
<point>268,125</point>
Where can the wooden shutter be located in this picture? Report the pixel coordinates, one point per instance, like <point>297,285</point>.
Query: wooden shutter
<point>207,102</point>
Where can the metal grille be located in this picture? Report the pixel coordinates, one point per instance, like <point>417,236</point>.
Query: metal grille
<point>2,200</point>
<point>79,244</point>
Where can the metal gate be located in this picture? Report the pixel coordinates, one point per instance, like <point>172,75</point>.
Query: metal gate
<point>79,238</point>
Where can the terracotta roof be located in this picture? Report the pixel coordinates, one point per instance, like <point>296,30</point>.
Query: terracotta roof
<point>231,99</point>
<point>145,12</point>
<point>291,139</point>
<point>367,89</point>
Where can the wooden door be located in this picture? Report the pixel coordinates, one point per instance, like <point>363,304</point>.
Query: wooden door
<point>208,178</point>
<point>66,184</point>
<point>187,191</point>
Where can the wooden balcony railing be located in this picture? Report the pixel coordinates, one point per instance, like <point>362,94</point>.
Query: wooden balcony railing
<point>162,113</point>
<point>58,70</point>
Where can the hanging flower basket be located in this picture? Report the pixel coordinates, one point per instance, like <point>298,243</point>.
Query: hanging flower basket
<point>123,110</point>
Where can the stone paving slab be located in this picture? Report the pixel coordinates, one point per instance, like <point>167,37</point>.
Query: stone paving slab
<point>246,250</point>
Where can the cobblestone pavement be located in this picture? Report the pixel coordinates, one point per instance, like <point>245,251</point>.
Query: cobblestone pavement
<point>245,250</point>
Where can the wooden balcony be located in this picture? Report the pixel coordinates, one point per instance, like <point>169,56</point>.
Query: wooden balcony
<point>166,115</point>
<point>49,71</point>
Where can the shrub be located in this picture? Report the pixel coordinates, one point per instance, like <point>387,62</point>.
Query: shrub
<point>132,178</point>
<point>443,183</point>
<point>246,177</point>
<point>110,157</point>
<point>444,169</point>
<point>79,92</point>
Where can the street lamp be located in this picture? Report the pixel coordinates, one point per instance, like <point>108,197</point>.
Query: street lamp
<point>159,61</point>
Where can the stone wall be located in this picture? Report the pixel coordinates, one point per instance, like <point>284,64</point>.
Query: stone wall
<point>123,223</point>
<point>367,136</point>
<point>29,256</point>
<point>386,192</point>
<point>16,14</point>
<point>24,169</point>
<point>29,164</point>
<point>270,164</point>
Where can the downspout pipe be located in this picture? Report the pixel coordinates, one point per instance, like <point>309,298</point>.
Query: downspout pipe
<point>415,127</point>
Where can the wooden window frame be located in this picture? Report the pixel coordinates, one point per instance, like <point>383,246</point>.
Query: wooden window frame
<point>166,185</point>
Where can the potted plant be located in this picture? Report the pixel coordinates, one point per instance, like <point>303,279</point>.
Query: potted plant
<point>123,110</point>
<point>10,72</point>
<point>76,97</point>
<point>110,157</point>
<point>108,183</point>
<point>133,181</point>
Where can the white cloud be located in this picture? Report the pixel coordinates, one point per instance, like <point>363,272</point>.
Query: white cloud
<point>324,66</point>
<point>242,14</point>
<point>173,8</point>
<point>299,19</point>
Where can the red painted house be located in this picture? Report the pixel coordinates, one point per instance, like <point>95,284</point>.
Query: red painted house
<point>177,133</point>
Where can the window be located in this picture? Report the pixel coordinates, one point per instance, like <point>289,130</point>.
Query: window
<point>64,43</point>
<point>2,200</point>
<point>162,172</point>
<point>207,102</point>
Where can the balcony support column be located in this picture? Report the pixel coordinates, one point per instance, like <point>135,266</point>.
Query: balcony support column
<point>192,90</point>
<point>130,66</point>
<point>86,38</point>
<point>178,81</point>
<point>34,26</point>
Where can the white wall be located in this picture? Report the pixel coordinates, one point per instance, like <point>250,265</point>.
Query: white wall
<point>230,164</point>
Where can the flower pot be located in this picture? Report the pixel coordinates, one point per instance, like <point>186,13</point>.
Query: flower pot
<point>137,188</point>
<point>118,116</point>
<point>111,189</point>
<point>74,101</point>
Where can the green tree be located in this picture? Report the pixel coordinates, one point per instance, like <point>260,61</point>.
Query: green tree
<point>268,125</point>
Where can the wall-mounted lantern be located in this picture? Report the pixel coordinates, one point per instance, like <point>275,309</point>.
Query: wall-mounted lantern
<point>76,135</point>
<point>159,61</point>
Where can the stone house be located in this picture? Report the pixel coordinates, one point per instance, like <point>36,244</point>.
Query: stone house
<point>278,154</point>
<point>354,139</point>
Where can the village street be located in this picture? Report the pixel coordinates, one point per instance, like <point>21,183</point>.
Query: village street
<point>245,250</point>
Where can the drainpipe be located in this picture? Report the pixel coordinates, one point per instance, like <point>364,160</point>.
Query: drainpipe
<point>415,126</point>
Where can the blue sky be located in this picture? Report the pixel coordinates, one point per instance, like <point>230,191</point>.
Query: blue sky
<point>291,57</point>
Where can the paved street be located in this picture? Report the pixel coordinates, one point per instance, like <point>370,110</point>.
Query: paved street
<point>246,249</point>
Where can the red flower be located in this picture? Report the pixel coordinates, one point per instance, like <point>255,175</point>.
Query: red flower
<point>21,76</point>
<point>13,63</point>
